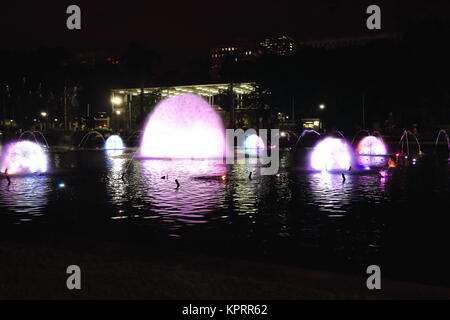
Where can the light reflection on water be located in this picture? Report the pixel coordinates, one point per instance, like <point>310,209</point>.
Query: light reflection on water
<point>26,196</point>
<point>210,192</point>
<point>294,213</point>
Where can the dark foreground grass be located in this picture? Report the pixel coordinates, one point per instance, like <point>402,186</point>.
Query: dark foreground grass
<point>121,271</point>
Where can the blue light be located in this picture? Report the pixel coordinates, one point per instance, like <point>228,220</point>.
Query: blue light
<point>114,142</point>
<point>61,185</point>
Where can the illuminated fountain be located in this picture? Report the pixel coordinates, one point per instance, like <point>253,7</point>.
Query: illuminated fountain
<point>183,127</point>
<point>254,144</point>
<point>371,152</point>
<point>87,136</point>
<point>331,154</point>
<point>24,157</point>
<point>405,138</point>
<point>114,142</point>
<point>114,146</point>
<point>444,133</point>
<point>307,133</point>
<point>34,135</point>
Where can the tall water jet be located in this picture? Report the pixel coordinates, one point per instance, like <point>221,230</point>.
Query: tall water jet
<point>183,126</point>
<point>372,152</point>
<point>331,154</point>
<point>308,138</point>
<point>444,133</point>
<point>86,137</point>
<point>23,157</point>
<point>404,138</point>
<point>34,135</point>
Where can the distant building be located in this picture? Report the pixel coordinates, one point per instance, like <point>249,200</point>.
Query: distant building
<point>240,51</point>
<point>280,46</point>
<point>234,52</point>
<point>125,103</point>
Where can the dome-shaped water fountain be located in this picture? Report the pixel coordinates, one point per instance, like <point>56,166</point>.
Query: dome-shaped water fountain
<point>23,157</point>
<point>114,142</point>
<point>371,152</point>
<point>183,126</point>
<point>331,154</point>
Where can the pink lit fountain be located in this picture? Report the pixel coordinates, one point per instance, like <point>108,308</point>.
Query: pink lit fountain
<point>372,152</point>
<point>331,154</point>
<point>23,157</point>
<point>183,127</point>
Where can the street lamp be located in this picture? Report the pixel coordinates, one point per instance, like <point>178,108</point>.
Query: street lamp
<point>44,114</point>
<point>116,101</point>
<point>321,106</point>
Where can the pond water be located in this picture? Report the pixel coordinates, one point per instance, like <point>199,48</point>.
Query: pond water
<point>398,220</point>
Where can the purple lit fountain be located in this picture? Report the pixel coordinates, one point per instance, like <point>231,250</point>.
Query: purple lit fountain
<point>183,127</point>
<point>24,157</point>
<point>371,152</point>
<point>331,154</point>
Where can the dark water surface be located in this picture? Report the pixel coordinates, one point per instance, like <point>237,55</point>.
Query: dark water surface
<point>400,222</point>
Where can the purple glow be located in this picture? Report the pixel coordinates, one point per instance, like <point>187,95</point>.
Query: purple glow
<point>371,151</point>
<point>183,126</point>
<point>24,157</point>
<point>331,154</point>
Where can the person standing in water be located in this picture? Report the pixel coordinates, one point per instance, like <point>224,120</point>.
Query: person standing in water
<point>7,176</point>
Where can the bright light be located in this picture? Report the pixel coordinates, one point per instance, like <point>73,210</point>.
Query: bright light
<point>283,134</point>
<point>321,106</point>
<point>44,114</point>
<point>371,152</point>
<point>114,142</point>
<point>116,100</point>
<point>61,185</point>
<point>118,112</point>
<point>23,157</point>
<point>183,126</point>
<point>254,142</point>
<point>331,154</point>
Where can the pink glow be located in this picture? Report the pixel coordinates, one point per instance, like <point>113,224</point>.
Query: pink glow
<point>24,157</point>
<point>368,149</point>
<point>183,126</point>
<point>331,154</point>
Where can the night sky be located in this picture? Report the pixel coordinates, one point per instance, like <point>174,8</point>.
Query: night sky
<point>184,28</point>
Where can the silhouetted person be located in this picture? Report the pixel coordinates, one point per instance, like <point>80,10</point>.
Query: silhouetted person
<point>7,176</point>
<point>178,184</point>
<point>343,178</point>
<point>250,175</point>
